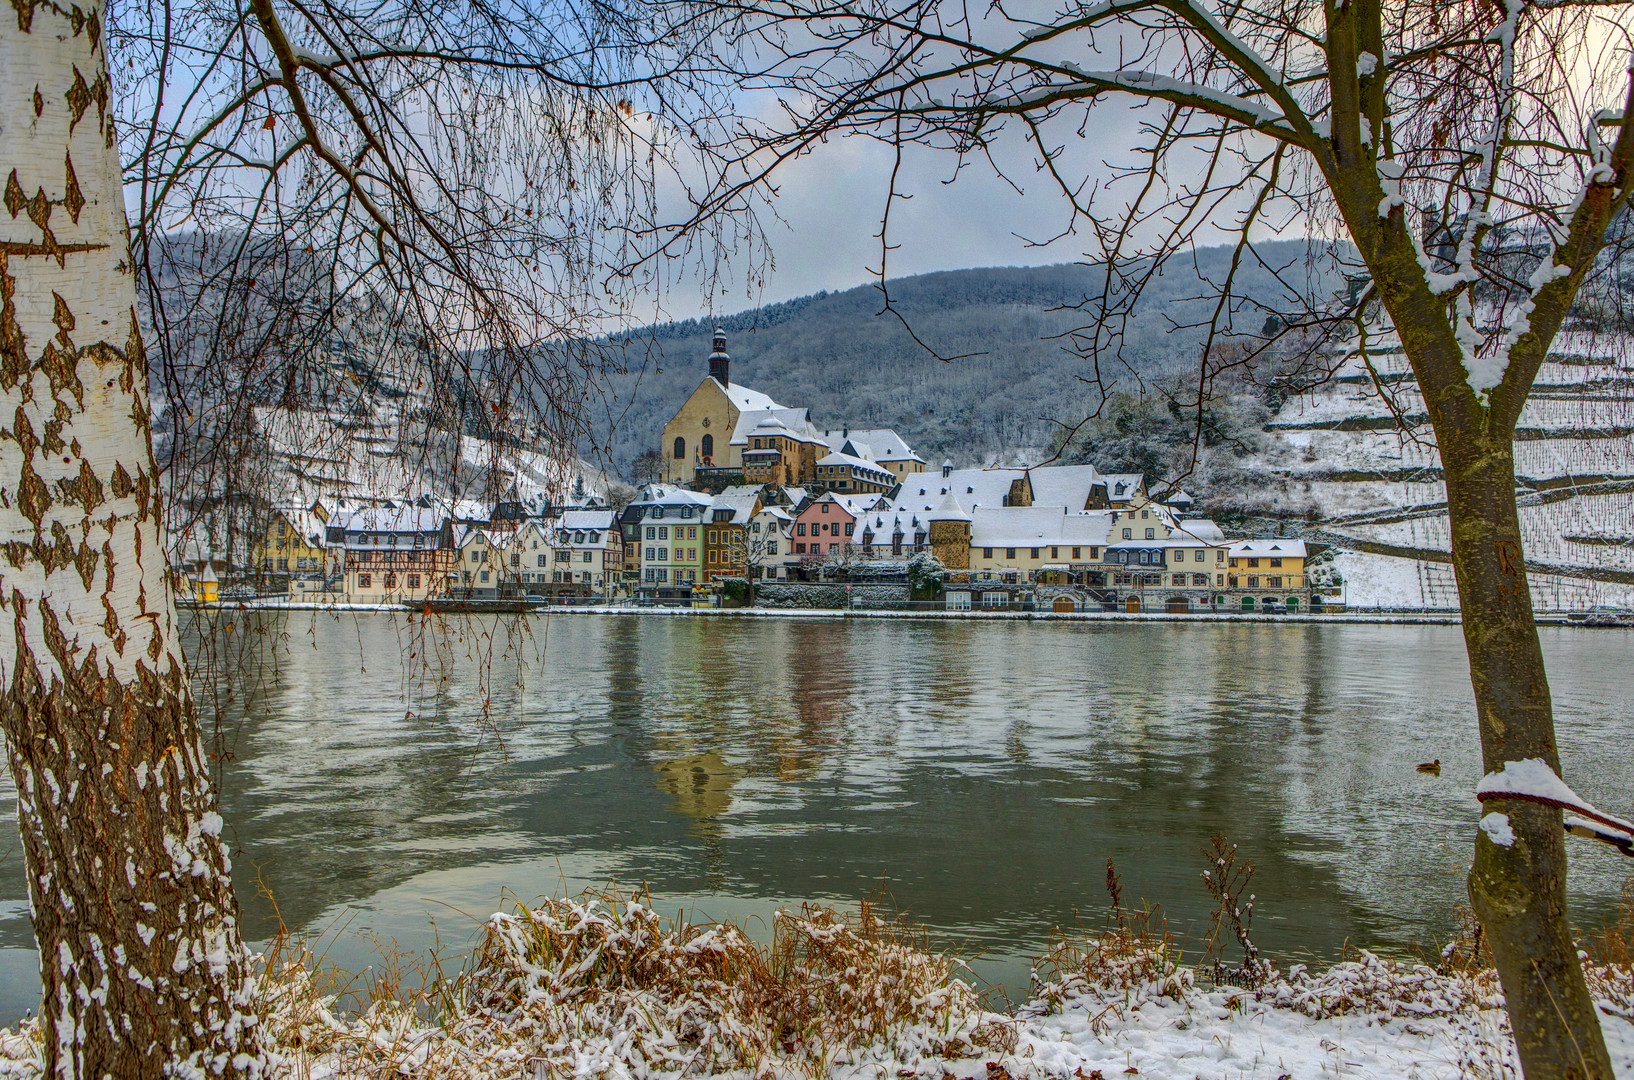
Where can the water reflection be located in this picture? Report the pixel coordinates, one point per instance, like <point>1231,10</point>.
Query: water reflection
<point>394,773</point>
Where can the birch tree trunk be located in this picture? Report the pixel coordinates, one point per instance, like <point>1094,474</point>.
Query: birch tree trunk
<point>144,970</point>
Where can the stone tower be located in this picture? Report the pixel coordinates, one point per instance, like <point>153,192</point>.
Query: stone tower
<point>949,533</point>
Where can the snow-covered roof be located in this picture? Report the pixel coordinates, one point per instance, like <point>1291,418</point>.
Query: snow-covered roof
<point>775,511</point>
<point>777,420</point>
<point>396,519</point>
<point>1202,529</point>
<point>852,462</point>
<point>1066,486</point>
<point>877,444</point>
<point>741,506</point>
<point>745,399</point>
<point>1275,548</point>
<point>1036,526</point>
<point>855,505</point>
<point>594,520</point>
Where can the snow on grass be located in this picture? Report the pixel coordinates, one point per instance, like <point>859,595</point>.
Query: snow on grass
<point>603,987</point>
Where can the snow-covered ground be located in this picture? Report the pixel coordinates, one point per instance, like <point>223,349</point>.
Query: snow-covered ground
<point>603,988</point>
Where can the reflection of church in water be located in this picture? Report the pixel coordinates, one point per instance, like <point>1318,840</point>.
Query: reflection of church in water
<point>699,784</point>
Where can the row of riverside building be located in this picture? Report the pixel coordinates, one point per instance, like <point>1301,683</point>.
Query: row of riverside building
<point>755,491</point>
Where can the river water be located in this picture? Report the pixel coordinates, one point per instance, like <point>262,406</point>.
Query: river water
<point>389,783</point>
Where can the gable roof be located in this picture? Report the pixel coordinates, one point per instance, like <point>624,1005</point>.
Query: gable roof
<point>1037,526</point>
<point>745,399</point>
<point>1294,549</point>
<point>877,444</point>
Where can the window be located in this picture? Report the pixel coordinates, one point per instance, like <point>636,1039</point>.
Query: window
<point>1077,553</point>
<point>1180,579</point>
<point>663,532</point>
<point>707,447</point>
<point>1276,562</point>
<point>363,581</point>
<point>832,548</point>
<point>1253,562</point>
<point>1233,564</point>
<point>692,554</point>
<point>1055,553</point>
<point>995,599</point>
<point>414,581</point>
<point>562,555</point>
<point>1128,534</point>
<point>1034,554</point>
<point>663,554</point>
<point>711,557</point>
<point>714,536</point>
<point>1219,556</point>
<point>1198,555</point>
<point>680,448</point>
<point>391,580</point>
<point>663,575</point>
<point>1142,513</point>
<point>474,557</point>
<point>1219,579</point>
<point>1200,579</point>
<point>1253,582</point>
<point>541,559</point>
<point>651,532</point>
<point>686,512</point>
<point>587,557</point>
<point>1143,557</point>
<point>1151,534</point>
<point>652,575</point>
<point>692,533</point>
<point>283,564</point>
<point>771,548</point>
<point>799,549</point>
<point>595,538</point>
<point>1273,582</point>
<point>800,529</point>
<point>987,553</point>
<point>485,577</point>
<point>757,444</point>
<point>650,555</point>
<point>657,512</point>
<point>1095,553</point>
<point>1123,557</point>
<point>516,560</point>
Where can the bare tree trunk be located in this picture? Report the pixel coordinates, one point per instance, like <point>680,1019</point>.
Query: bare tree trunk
<point>144,970</point>
<point>1518,889</point>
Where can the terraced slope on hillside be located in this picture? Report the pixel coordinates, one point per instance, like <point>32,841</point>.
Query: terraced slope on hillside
<point>1359,451</point>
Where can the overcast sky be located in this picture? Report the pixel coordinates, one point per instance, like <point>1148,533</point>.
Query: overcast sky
<point>832,199</point>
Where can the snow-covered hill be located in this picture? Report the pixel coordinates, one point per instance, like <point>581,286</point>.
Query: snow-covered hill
<point>1376,489</point>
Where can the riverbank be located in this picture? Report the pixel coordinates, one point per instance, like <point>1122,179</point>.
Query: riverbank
<point>1406,617</point>
<point>605,987</point>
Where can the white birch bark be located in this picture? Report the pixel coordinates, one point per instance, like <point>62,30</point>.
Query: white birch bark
<point>143,967</point>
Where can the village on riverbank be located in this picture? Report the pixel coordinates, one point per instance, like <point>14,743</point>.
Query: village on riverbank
<point>758,506</point>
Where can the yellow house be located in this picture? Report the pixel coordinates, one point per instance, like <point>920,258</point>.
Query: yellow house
<point>292,543</point>
<point>1268,564</point>
<point>209,589</point>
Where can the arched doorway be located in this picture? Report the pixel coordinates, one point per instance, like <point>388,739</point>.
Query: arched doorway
<point>1132,605</point>
<point>1293,605</point>
<point>1178,605</point>
<point>1064,605</point>
<point>1248,603</point>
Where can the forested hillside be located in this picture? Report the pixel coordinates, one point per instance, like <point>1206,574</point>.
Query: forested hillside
<point>834,352</point>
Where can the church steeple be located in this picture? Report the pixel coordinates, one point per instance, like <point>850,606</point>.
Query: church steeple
<point>719,361</point>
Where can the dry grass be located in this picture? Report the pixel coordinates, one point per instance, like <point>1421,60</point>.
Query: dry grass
<point>604,985</point>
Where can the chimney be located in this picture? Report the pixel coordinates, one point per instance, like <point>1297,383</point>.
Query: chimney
<point>719,361</point>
